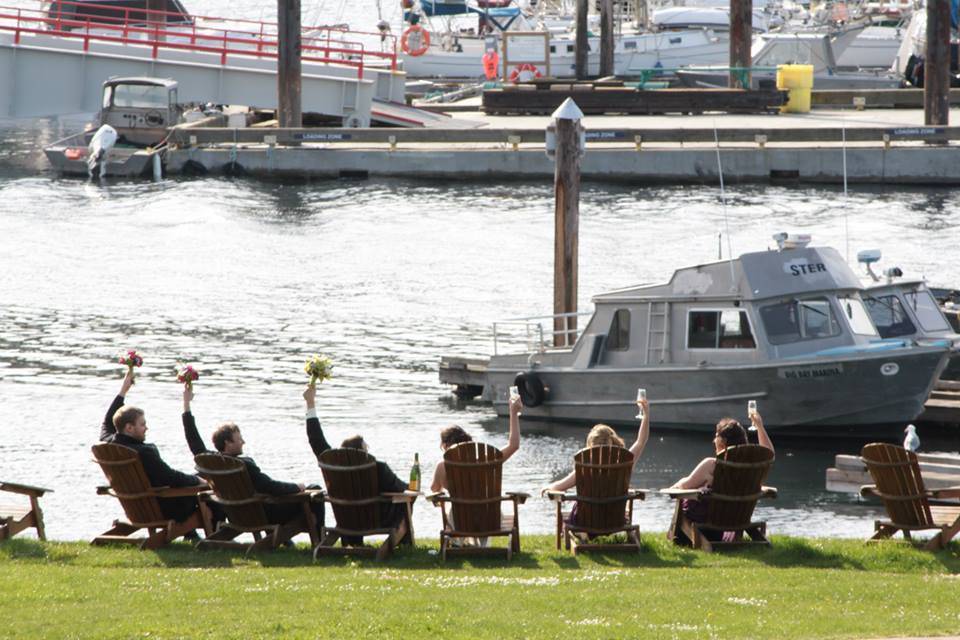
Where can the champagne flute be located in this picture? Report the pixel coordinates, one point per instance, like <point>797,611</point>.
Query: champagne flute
<point>751,408</point>
<point>514,394</point>
<point>641,395</point>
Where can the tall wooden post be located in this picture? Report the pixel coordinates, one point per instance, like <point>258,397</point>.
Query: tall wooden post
<point>289,105</point>
<point>157,5</point>
<point>582,70</point>
<point>566,189</point>
<point>606,38</point>
<point>741,37</point>
<point>936,65</point>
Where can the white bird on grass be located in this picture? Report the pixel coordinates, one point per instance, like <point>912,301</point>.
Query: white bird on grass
<point>912,441</point>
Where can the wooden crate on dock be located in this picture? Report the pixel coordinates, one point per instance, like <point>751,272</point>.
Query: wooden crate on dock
<point>597,99</point>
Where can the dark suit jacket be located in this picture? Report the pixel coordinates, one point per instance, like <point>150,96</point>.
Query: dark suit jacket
<point>262,483</point>
<point>158,472</point>
<point>387,480</point>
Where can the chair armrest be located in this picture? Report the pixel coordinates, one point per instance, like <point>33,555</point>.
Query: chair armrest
<point>437,498</point>
<point>640,494</point>
<point>103,490</point>
<point>518,496</point>
<point>25,489</point>
<point>559,496</point>
<point>869,491</point>
<point>945,493</point>
<point>677,494</point>
<point>180,492</point>
<point>402,496</point>
<point>768,492</point>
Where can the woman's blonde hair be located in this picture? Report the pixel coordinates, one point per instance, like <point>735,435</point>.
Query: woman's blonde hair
<point>601,434</point>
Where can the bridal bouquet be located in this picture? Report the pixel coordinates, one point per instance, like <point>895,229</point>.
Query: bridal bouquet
<point>131,359</point>
<point>319,368</point>
<point>187,375</point>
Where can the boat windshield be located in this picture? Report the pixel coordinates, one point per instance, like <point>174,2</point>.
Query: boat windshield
<point>857,316</point>
<point>797,320</point>
<point>144,96</point>
<point>926,310</point>
<point>890,317</point>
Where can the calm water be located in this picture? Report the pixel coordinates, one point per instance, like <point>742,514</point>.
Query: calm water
<point>245,279</point>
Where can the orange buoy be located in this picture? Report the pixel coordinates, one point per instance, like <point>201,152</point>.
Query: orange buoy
<point>415,40</point>
<point>491,60</point>
<point>524,73</point>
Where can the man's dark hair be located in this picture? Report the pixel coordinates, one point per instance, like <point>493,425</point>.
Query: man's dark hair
<point>224,432</point>
<point>353,442</point>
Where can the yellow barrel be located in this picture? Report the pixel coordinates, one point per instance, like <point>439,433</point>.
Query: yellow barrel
<point>798,80</point>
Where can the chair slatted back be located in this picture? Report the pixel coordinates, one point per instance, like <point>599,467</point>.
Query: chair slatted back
<point>896,474</point>
<point>474,473</point>
<point>122,467</point>
<point>737,482</point>
<point>351,476</point>
<point>231,483</point>
<point>602,472</point>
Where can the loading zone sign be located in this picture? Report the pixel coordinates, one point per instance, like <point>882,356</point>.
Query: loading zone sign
<point>810,372</point>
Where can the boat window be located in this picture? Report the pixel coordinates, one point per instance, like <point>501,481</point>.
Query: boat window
<point>890,317</point>
<point>630,44</point>
<point>618,338</point>
<point>857,316</point>
<point>569,48</point>
<point>140,95</point>
<point>926,310</point>
<point>724,329</point>
<point>107,96</point>
<point>799,320</point>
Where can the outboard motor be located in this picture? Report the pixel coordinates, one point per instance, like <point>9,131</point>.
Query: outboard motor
<point>102,141</point>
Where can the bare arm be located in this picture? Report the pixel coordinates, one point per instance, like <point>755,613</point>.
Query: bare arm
<point>762,438</point>
<point>701,476</point>
<point>564,483</point>
<point>439,478</point>
<point>643,434</point>
<point>513,443</point>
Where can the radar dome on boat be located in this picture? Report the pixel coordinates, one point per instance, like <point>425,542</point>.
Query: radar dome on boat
<point>792,240</point>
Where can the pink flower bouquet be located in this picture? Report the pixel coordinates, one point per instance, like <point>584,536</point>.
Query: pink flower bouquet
<point>187,375</point>
<point>131,359</point>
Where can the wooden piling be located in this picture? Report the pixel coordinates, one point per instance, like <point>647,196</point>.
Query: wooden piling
<point>566,188</point>
<point>159,6</point>
<point>936,67</point>
<point>580,60</point>
<point>289,105</point>
<point>741,36</point>
<point>606,38</point>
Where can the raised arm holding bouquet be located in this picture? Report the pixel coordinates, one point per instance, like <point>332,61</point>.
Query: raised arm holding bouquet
<point>187,375</point>
<point>319,368</point>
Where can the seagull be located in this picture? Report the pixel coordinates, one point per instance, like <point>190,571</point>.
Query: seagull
<point>912,441</point>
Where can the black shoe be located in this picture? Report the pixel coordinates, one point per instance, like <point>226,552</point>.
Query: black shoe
<point>192,536</point>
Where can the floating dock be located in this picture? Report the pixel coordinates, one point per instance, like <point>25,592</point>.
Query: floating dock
<point>849,473</point>
<point>875,146</point>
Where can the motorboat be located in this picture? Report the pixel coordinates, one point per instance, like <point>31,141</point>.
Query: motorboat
<point>775,49</point>
<point>786,328</point>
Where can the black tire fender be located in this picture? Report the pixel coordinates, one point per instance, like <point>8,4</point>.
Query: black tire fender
<point>531,388</point>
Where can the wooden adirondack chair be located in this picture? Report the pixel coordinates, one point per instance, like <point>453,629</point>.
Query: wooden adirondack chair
<point>474,472</point>
<point>737,485</point>
<point>130,485</point>
<point>14,518</point>
<point>246,510</point>
<point>603,501</point>
<point>353,492</point>
<point>898,483</point>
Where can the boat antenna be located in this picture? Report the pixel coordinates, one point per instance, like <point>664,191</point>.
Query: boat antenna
<point>720,246</point>
<point>846,201</point>
<point>723,202</point>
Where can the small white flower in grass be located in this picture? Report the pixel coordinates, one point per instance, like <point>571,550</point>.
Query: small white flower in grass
<point>748,602</point>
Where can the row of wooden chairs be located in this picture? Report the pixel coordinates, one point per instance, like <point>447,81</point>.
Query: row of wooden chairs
<point>471,509</point>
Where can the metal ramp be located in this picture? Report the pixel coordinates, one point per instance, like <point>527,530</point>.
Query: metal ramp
<point>225,65</point>
<point>402,115</point>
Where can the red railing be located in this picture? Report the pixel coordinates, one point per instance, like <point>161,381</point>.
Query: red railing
<point>168,30</point>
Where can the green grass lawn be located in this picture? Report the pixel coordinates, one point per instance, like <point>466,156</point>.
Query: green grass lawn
<point>798,589</point>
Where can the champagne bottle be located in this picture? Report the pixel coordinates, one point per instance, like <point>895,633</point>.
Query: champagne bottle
<point>415,474</point>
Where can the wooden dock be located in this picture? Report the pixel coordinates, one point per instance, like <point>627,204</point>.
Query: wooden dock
<point>943,405</point>
<point>849,473</point>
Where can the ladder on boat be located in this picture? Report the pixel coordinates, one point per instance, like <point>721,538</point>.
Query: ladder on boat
<point>658,333</point>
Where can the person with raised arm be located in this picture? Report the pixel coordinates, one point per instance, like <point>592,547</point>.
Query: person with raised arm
<point>387,480</point>
<point>126,425</point>
<point>455,434</point>
<point>729,433</point>
<point>228,441</point>
<point>602,434</point>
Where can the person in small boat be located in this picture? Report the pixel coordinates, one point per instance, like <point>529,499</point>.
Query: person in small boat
<point>455,434</point>
<point>729,433</point>
<point>126,425</point>
<point>387,481</point>
<point>229,442</point>
<point>602,434</point>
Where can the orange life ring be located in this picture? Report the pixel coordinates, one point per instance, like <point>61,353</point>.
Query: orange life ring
<point>415,40</point>
<point>526,66</point>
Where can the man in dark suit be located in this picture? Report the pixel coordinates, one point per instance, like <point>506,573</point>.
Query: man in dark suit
<point>228,441</point>
<point>126,425</point>
<point>387,480</point>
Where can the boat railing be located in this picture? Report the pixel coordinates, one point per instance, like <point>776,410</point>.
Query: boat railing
<point>164,30</point>
<point>538,334</point>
